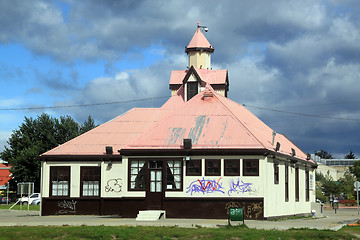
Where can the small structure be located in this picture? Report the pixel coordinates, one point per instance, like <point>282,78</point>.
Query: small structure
<point>197,156</point>
<point>5,175</point>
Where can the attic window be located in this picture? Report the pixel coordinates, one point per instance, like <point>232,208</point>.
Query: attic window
<point>192,90</point>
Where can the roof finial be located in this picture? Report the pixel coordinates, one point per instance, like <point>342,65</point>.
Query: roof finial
<point>198,23</point>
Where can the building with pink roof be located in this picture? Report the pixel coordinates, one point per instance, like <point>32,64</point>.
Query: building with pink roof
<point>195,157</point>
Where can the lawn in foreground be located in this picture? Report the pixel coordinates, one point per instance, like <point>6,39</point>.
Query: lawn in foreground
<point>105,232</point>
<point>23,207</point>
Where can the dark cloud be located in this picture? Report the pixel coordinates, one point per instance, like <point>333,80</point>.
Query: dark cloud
<point>296,56</point>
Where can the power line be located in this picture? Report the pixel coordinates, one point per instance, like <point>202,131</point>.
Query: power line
<point>320,104</point>
<point>79,105</point>
<point>303,114</point>
<point>155,98</point>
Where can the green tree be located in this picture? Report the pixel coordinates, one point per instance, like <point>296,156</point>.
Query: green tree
<point>355,169</point>
<point>323,154</point>
<point>34,137</point>
<point>347,184</point>
<point>351,155</point>
<point>329,186</point>
<point>87,125</point>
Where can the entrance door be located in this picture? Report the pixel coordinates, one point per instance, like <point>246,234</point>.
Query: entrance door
<point>155,189</point>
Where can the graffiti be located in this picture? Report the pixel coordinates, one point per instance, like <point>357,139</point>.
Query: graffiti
<point>231,205</point>
<point>114,185</point>
<point>238,187</point>
<point>254,211</point>
<point>205,186</point>
<point>67,206</point>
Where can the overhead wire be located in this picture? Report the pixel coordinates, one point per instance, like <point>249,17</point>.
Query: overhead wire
<point>79,105</point>
<point>302,114</point>
<point>163,97</point>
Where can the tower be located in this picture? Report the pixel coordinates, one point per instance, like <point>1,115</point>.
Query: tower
<point>199,50</point>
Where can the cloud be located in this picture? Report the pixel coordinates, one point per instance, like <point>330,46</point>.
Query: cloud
<point>124,86</point>
<point>295,56</point>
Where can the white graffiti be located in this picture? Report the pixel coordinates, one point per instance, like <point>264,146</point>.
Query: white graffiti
<point>67,206</point>
<point>114,185</point>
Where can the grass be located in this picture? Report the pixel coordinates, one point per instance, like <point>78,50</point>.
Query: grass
<point>23,207</point>
<point>109,232</point>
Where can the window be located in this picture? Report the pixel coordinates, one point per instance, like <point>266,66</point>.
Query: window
<point>307,185</point>
<point>193,168</point>
<point>212,167</point>
<point>192,89</point>
<point>250,167</point>
<point>232,167</point>
<point>173,174</point>
<point>90,181</point>
<point>297,184</point>
<point>286,182</point>
<point>60,181</point>
<point>137,174</point>
<point>156,175</point>
<point>276,173</point>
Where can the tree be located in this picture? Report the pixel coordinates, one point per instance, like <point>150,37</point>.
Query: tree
<point>87,125</point>
<point>34,137</point>
<point>323,154</point>
<point>347,184</point>
<point>355,169</point>
<point>329,186</point>
<point>351,155</point>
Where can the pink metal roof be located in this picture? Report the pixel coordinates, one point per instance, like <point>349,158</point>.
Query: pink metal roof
<point>209,119</point>
<point>212,122</point>
<point>115,133</point>
<point>199,40</point>
<point>210,76</point>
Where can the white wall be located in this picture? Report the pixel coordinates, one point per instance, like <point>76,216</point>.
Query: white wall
<point>114,183</point>
<point>274,201</point>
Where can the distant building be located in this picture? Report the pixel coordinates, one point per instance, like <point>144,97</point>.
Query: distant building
<point>334,167</point>
<point>194,157</point>
<point>5,175</point>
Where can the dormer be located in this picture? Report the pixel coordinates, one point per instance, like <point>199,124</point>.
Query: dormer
<point>192,84</point>
<point>199,72</point>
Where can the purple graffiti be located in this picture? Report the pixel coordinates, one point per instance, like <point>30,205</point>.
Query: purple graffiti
<point>205,186</point>
<point>239,187</point>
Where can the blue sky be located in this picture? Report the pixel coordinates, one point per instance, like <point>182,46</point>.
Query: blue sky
<point>295,64</point>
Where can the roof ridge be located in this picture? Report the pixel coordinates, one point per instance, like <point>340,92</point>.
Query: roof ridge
<point>155,124</point>
<point>232,114</point>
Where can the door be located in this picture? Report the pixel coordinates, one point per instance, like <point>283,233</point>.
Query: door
<point>155,188</point>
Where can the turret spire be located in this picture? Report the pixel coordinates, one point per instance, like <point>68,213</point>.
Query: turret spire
<point>199,49</point>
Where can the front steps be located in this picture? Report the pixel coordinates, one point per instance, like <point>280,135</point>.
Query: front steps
<point>150,215</point>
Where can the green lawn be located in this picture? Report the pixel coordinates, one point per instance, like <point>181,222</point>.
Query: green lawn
<point>23,207</point>
<point>103,232</point>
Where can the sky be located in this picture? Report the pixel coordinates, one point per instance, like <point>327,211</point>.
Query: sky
<point>294,64</point>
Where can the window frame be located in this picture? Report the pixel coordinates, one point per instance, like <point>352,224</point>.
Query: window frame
<point>297,185</point>
<point>217,161</point>
<point>195,90</point>
<point>145,174</point>
<point>68,171</point>
<point>199,162</point>
<point>82,170</point>
<point>286,182</point>
<point>231,161</point>
<point>276,173</point>
<point>257,166</point>
<point>307,186</point>
<point>181,174</point>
